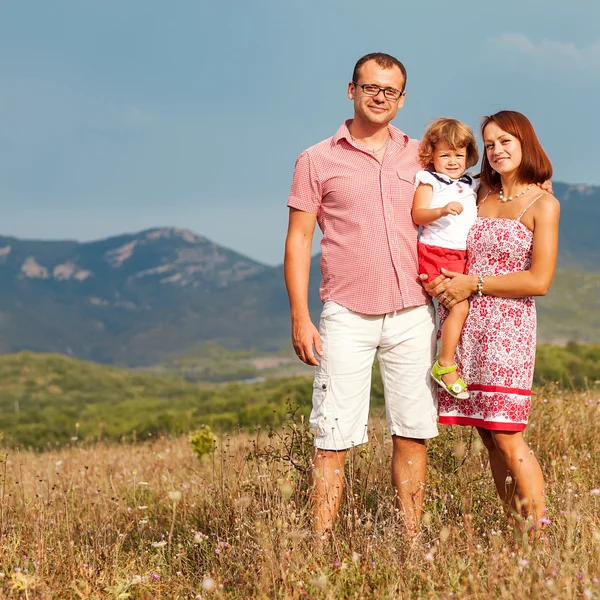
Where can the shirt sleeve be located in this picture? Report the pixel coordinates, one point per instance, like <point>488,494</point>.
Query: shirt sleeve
<point>428,178</point>
<point>305,194</point>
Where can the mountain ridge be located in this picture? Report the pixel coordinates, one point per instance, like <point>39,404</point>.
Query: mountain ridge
<point>135,298</point>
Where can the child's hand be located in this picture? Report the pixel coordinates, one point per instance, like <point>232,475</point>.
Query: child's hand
<point>452,208</point>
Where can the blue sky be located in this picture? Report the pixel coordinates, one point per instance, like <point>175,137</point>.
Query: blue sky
<point>123,115</point>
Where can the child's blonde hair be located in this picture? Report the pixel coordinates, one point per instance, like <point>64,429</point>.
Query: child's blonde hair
<point>454,133</point>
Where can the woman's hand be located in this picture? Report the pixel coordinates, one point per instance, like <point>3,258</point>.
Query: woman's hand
<point>456,288</point>
<point>450,288</point>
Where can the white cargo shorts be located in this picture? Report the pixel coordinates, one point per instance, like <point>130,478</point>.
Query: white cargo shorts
<point>404,343</point>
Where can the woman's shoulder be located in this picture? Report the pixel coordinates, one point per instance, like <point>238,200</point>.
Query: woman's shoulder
<point>545,208</point>
<point>546,201</point>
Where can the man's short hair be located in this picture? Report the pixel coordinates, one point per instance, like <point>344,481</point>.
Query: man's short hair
<point>383,60</point>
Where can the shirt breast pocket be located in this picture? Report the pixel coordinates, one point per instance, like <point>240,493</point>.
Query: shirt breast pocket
<point>403,190</point>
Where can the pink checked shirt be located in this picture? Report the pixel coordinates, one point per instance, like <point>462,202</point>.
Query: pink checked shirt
<point>363,207</point>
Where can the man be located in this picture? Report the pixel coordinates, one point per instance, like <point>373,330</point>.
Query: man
<point>358,185</point>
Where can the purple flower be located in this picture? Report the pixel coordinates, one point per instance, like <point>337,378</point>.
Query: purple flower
<point>155,577</point>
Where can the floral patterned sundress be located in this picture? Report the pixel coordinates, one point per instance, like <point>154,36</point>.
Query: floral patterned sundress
<point>496,352</point>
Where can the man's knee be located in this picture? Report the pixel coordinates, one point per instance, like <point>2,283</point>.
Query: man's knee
<point>405,444</point>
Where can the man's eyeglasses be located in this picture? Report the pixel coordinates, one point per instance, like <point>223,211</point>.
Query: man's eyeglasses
<point>371,89</point>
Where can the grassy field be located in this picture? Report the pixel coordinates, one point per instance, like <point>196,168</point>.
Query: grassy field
<point>154,520</point>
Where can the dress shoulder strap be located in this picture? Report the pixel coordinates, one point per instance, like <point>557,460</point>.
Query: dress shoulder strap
<point>484,198</point>
<point>530,205</point>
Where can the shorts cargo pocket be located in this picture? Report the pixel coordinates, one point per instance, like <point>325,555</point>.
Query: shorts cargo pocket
<point>318,416</point>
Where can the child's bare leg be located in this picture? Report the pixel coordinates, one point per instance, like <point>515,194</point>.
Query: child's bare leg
<point>451,331</point>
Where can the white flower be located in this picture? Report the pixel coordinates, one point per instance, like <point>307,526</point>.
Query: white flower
<point>159,544</point>
<point>175,496</point>
<point>595,492</point>
<point>208,584</point>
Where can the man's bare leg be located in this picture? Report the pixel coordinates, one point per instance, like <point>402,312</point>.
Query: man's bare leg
<point>409,467</point>
<point>328,485</point>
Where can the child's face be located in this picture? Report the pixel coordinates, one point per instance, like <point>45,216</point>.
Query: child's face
<point>449,161</point>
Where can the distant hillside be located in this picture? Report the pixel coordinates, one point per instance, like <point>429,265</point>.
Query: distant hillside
<point>579,242</point>
<point>136,299</point>
<point>48,399</point>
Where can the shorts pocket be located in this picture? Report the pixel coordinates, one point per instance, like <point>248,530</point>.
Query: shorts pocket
<point>318,416</point>
<point>331,309</point>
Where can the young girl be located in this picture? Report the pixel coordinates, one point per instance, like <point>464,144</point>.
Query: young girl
<point>445,204</point>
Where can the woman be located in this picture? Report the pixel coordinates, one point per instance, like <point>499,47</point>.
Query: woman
<point>512,256</point>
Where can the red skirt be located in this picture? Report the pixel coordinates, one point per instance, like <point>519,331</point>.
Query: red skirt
<point>433,258</point>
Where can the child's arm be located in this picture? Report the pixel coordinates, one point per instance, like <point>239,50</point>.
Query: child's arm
<point>422,214</point>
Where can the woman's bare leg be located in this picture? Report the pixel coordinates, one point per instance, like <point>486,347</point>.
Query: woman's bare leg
<point>503,480</point>
<point>526,474</point>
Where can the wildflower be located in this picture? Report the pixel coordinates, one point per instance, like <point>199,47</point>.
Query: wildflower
<point>523,562</point>
<point>444,533</point>
<point>136,580</point>
<point>142,507</point>
<point>154,577</point>
<point>160,544</point>
<point>429,557</point>
<point>175,496</point>
<point>143,521</point>
<point>142,483</point>
<point>208,584</point>
<point>319,582</point>
<point>595,492</point>
<point>355,556</point>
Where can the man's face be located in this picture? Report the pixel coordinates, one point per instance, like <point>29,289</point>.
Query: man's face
<point>376,110</point>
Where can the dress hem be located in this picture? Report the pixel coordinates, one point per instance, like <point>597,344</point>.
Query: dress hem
<point>473,422</point>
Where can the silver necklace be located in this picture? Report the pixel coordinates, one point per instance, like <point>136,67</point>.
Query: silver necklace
<point>373,151</point>
<point>503,199</point>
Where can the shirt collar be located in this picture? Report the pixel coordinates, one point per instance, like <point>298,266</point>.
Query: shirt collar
<point>343,133</point>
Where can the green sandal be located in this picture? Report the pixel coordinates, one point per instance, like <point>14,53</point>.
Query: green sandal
<point>458,389</point>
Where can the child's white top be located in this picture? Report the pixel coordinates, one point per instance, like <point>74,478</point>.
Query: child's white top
<point>450,231</point>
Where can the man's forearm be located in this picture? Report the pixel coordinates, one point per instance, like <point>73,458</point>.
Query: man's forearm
<point>296,268</point>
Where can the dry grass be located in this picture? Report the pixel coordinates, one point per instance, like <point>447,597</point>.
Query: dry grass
<point>152,521</point>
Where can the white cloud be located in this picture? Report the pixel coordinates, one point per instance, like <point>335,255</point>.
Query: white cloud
<point>516,50</point>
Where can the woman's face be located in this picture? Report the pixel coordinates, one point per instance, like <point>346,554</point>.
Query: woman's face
<point>503,150</point>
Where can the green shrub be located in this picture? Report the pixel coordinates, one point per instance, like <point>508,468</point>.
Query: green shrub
<point>202,441</point>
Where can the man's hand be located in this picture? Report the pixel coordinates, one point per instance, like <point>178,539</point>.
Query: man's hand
<point>452,208</point>
<point>434,287</point>
<point>547,187</point>
<point>304,337</point>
